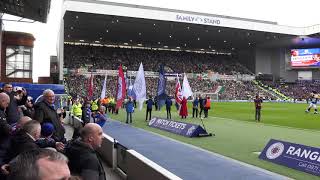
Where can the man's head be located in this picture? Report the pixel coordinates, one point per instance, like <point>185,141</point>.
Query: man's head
<point>102,109</point>
<point>7,87</point>
<point>40,164</point>
<point>92,135</point>
<point>33,128</point>
<point>48,96</point>
<point>22,121</point>
<point>4,100</point>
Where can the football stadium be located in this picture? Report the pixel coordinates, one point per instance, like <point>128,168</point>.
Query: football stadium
<point>176,94</point>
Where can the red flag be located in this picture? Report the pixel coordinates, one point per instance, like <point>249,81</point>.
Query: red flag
<point>90,87</point>
<point>178,91</point>
<point>121,88</point>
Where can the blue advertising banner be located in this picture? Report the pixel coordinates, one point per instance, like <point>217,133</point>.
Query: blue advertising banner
<point>296,156</point>
<point>181,128</point>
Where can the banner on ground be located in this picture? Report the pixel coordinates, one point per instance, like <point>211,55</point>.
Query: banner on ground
<point>181,128</point>
<point>296,156</point>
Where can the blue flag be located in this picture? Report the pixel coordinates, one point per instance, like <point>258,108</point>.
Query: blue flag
<point>161,91</point>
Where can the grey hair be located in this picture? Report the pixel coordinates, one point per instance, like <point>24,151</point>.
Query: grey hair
<point>25,165</point>
<point>31,126</point>
<point>47,91</point>
<point>103,108</point>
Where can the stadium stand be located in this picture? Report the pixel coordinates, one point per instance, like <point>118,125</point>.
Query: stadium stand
<point>101,57</point>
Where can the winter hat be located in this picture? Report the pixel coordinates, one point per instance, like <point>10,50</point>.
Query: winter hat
<point>47,129</point>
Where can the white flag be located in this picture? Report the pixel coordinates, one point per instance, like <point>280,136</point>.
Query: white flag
<point>104,88</point>
<point>186,89</point>
<point>139,87</point>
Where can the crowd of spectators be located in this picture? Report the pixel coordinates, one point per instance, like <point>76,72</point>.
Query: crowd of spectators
<point>33,142</point>
<point>100,57</point>
<point>240,90</point>
<point>299,90</point>
<point>77,85</point>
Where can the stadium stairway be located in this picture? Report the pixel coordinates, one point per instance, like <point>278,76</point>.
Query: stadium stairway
<point>271,91</point>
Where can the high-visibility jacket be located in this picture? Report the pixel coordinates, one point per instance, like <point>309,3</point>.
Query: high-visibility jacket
<point>207,104</point>
<point>76,109</point>
<point>105,101</point>
<point>112,101</point>
<point>94,105</point>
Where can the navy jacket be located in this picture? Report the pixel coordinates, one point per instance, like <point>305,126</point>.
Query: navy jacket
<point>149,103</point>
<point>168,103</point>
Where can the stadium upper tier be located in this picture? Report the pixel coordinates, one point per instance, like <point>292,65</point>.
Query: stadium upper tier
<point>102,57</point>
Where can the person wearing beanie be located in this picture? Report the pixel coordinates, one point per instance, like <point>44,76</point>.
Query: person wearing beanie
<point>46,140</point>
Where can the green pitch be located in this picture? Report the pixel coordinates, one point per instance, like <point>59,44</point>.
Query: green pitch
<point>238,136</point>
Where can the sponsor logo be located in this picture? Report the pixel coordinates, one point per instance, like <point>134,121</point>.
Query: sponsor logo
<point>190,130</point>
<point>153,120</point>
<point>275,150</point>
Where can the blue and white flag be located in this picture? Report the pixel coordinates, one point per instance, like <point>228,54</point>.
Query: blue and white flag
<point>161,91</point>
<point>186,89</point>
<point>130,89</point>
<point>139,86</point>
<point>104,88</point>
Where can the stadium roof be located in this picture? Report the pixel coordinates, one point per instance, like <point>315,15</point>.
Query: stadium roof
<point>95,27</point>
<point>30,9</point>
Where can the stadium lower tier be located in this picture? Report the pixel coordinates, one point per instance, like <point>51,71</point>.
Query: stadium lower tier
<point>77,85</point>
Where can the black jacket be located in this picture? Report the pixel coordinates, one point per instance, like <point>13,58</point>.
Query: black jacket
<point>45,113</point>
<point>83,161</point>
<point>4,137</point>
<point>13,109</point>
<point>21,142</point>
<point>201,102</point>
<point>4,126</point>
<point>28,112</point>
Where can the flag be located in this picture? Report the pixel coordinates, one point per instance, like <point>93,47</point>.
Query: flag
<point>161,91</point>
<point>130,89</point>
<point>104,88</point>
<point>178,91</point>
<point>186,89</point>
<point>139,86</point>
<point>90,87</point>
<point>121,88</point>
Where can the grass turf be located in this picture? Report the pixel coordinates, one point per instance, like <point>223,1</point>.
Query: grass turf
<point>238,135</point>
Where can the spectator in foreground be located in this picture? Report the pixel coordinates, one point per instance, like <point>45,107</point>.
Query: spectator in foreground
<point>45,112</point>
<point>46,140</point>
<point>25,139</point>
<point>83,160</point>
<point>38,164</point>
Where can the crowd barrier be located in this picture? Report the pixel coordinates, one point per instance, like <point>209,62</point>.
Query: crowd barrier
<point>128,163</point>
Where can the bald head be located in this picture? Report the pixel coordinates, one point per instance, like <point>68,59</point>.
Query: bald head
<point>92,134</point>
<point>4,100</point>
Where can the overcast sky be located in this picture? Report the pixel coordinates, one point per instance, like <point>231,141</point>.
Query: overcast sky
<point>292,13</point>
